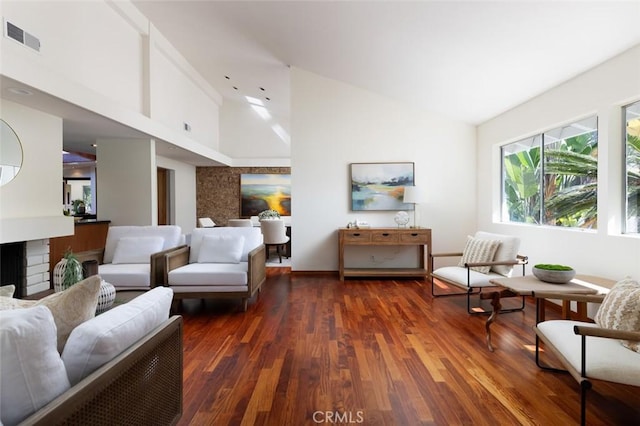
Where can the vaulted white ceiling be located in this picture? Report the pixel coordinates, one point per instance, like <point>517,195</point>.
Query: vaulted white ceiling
<point>468,60</point>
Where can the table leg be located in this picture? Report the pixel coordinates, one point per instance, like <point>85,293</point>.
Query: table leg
<point>495,303</point>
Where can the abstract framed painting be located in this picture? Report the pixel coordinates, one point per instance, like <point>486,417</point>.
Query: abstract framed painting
<point>263,191</point>
<point>380,186</point>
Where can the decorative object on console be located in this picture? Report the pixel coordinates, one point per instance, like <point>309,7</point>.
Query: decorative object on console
<point>67,272</point>
<point>401,218</point>
<point>380,186</point>
<point>555,274</point>
<point>413,195</point>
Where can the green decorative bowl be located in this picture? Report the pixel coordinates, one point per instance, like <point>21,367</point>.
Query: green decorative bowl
<point>555,274</point>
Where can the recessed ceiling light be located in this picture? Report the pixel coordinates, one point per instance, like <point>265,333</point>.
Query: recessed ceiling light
<point>227,77</point>
<point>262,88</point>
<point>20,91</point>
<point>268,99</point>
<point>235,88</point>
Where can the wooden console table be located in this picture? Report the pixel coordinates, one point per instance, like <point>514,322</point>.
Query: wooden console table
<point>420,237</point>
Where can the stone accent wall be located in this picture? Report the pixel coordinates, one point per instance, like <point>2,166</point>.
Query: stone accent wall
<point>37,274</point>
<point>218,190</point>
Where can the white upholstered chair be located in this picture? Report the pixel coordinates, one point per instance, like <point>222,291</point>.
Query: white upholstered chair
<point>486,256</point>
<point>608,350</point>
<point>205,222</point>
<point>274,233</point>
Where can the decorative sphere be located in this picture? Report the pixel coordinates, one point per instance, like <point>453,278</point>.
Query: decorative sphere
<point>401,218</point>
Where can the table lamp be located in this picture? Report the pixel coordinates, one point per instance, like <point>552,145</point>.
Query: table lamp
<point>413,195</point>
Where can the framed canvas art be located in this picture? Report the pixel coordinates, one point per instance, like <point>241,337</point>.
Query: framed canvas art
<point>380,186</point>
<point>260,192</point>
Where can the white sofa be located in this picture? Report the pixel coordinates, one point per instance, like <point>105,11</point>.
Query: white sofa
<point>125,260</point>
<point>224,262</point>
<point>125,363</point>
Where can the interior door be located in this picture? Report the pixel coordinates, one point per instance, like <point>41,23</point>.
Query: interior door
<point>163,196</point>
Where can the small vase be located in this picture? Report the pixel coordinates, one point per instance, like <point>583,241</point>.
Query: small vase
<point>106,297</point>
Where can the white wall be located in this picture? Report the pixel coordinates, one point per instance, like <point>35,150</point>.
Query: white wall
<point>31,204</point>
<point>184,192</point>
<point>334,124</point>
<point>602,91</point>
<point>127,181</point>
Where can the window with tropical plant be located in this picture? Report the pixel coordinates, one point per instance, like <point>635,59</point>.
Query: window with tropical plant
<point>632,162</point>
<point>551,178</point>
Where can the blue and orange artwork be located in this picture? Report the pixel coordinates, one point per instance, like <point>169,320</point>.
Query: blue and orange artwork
<point>259,192</point>
<point>380,186</point>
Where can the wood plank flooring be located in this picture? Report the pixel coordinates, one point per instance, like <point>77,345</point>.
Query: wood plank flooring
<point>312,350</point>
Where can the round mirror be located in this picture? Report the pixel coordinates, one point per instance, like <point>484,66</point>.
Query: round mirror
<point>10,153</point>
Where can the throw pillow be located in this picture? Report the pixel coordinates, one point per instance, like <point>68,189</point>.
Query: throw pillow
<point>479,250</point>
<point>221,249</point>
<point>99,340</point>
<point>136,249</point>
<point>31,370</point>
<point>70,307</point>
<point>7,290</point>
<point>507,250</point>
<point>620,309</point>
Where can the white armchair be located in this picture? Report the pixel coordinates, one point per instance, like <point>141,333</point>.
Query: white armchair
<point>486,256</point>
<point>608,350</point>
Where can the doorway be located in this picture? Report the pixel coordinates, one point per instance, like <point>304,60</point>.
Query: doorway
<point>164,196</point>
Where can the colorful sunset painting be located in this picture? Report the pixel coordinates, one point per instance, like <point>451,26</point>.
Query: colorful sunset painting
<point>260,192</point>
<point>380,186</point>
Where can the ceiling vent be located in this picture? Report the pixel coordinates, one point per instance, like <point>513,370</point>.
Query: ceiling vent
<point>18,34</point>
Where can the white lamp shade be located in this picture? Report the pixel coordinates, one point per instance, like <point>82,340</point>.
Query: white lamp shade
<point>412,195</point>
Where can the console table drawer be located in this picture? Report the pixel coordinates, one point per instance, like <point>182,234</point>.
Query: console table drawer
<point>384,237</point>
<point>414,238</point>
<point>356,236</point>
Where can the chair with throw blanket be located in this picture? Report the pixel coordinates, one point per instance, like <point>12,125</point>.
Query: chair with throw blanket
<point>486,256</point>
<point>608,350</point>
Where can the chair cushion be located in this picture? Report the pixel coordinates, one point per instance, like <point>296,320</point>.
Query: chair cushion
<point>131,275</point>
<point>252,239</point>
<point>69,308</point>
<point>171,235</point>
<point>620,309</point>
<point>508,250</point>
<point>136,249</point>
<point>221,249</point>
<point>209,274</point>
<point>606,358</point>
<point>31,371</point>
<point>458,276</point>
<point>479,250</point>
<point>101,339</point>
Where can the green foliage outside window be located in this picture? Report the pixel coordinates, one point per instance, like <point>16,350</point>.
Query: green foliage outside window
<point>560,190</point>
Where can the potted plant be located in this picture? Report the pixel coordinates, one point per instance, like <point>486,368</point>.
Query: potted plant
<point>67,272</point>
<point>553,273</point>
<point>268,214</point>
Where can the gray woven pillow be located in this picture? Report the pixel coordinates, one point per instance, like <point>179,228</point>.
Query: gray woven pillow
<point>479,250</point>
<point>620,310</point>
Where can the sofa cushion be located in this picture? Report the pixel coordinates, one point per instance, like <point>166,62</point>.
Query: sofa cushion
<point>620,309</point>
<point>70,307</point>
<point>600,352</point>
<point>209,274</point>
<point>31,371</point>
<point>7,290</point>
<point>252,239</point>
<point>136,249</point>
<point>479,250</point>
<point>507,250</point>
<point>221,249</point>
<point>132,275</point>
<point>101,339</point>
<point>171,235</point>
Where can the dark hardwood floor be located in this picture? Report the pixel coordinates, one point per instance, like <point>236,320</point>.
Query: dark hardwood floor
<point>312,350</point>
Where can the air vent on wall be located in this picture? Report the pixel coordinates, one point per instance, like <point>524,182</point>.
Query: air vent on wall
<point>18,34</point>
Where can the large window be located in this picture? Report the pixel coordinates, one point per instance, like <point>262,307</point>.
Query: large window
<point>632,162</point>
<point>551,178</point>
